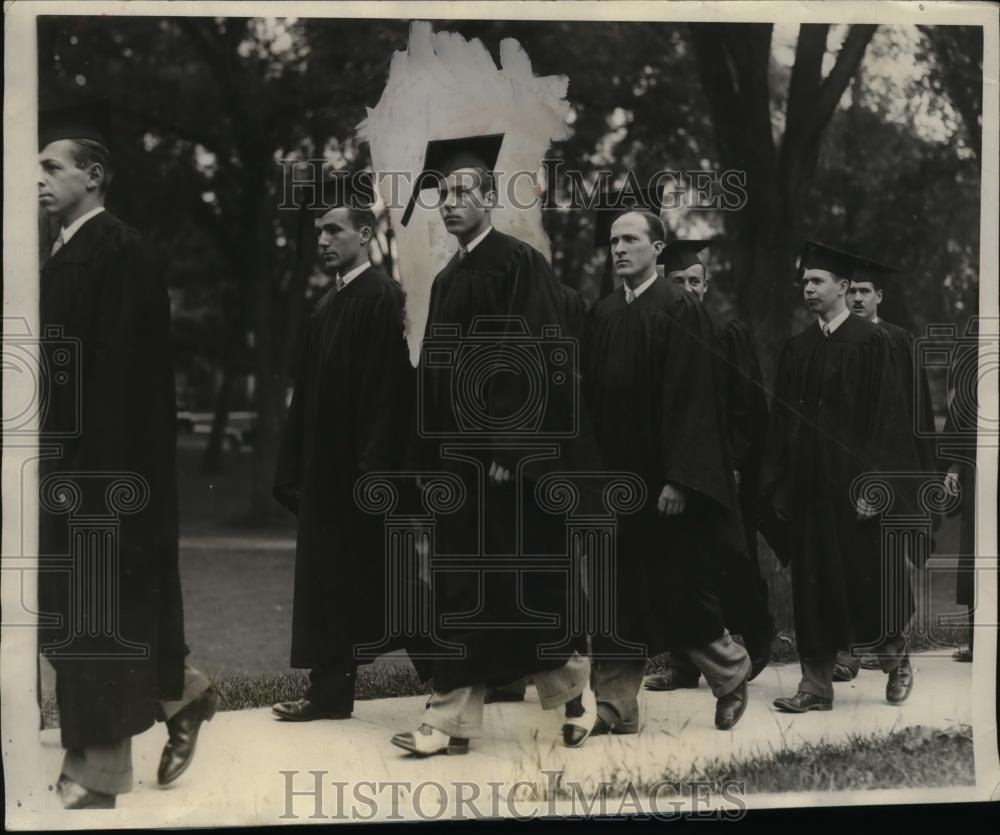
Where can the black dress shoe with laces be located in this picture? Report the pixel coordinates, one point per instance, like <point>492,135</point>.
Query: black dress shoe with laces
<point>802,703</point>
<point>183,729</point>
<point>900,683</point>
<point>306,710</point>
<point>729,708</point>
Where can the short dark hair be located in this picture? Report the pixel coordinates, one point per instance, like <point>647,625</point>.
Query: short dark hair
<point>654,225</point>
<point>88,152</point>
<point>362,217</point>
<point>873,279</point>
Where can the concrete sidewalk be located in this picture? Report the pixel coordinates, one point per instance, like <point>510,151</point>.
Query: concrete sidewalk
<point>236,777</point>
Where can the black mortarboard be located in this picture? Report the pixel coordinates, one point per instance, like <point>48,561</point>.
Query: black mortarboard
<point>819,256</point>
<point>446,155</point>
<point>80,120</point>
<point>877,274</point>
<point>611,205</point>
<point>679,255</point>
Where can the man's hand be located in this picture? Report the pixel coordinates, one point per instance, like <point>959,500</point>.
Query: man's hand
<point>498,475</point>
<point>736,477</point>
<point>672,500</point>
<point>951,485</point>
<point>865,510</point>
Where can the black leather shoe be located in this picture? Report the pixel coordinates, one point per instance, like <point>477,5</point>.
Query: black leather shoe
<point>75,796</point>
<point>730,707</point>
<point>900,683</point>
<point>580,718</point>
<point>759,650</point>
<point>183,736</point>
<point>304,710</point>
<point>602,727</point>
<point>672,679</point>
<point>845,672</point>
<point>802,703</point>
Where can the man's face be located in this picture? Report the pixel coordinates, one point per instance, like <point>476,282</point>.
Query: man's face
<point>864,299</point>
<point>340,244</point>
<point>62,185</point>
<point>821,291</point>
<point>693,278</point>
<point>632,251</point>
<point>464,207</point>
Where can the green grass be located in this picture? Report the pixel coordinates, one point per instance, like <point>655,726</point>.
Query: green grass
<point>913,757</point>
<point>242,692</point>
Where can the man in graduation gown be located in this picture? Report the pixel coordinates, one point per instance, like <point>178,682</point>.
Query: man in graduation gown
<point>119,659</point>
<point>742,589</point>
<point>494,275</point>
<point>868,285</point>
<point>349,415</point>
<point>836,415</point>
<point>650,376</point>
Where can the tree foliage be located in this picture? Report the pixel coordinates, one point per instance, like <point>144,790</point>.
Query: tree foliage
<point>207,107</point>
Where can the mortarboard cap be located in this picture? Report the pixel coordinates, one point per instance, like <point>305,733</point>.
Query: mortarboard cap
<point>612,205</point>
<point>817,256</point>
<point>679,255</point>
<point>80,120</point>
<point>444,156</point>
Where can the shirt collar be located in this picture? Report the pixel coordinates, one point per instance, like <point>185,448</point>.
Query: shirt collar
<point>347,278</point>
<point>471,245</point>
<point>638,291</point>
<point>69,231</point>
<point>836,322</point>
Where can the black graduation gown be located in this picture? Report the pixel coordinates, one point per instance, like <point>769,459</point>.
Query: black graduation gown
<point>922,424</point>
<point>499,619</point>
<point>837,412</point>
<point>963,403</point>
<point>650,374</point>
<point>743,590</point>
<point>104,291</point>
<point>349,415</point>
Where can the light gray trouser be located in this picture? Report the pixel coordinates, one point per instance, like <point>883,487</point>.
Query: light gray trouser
<point>459,712</point>
<point>723,662</point>
<point>817,667</point>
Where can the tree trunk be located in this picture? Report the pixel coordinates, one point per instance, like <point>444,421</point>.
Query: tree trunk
<point>212,462</point>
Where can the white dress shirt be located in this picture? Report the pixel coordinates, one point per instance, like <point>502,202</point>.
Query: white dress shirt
<point>68,232</point>
<point>344,280</point>
<point>631,295</point>
<point>833,324</point>
<point>465,250</point>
